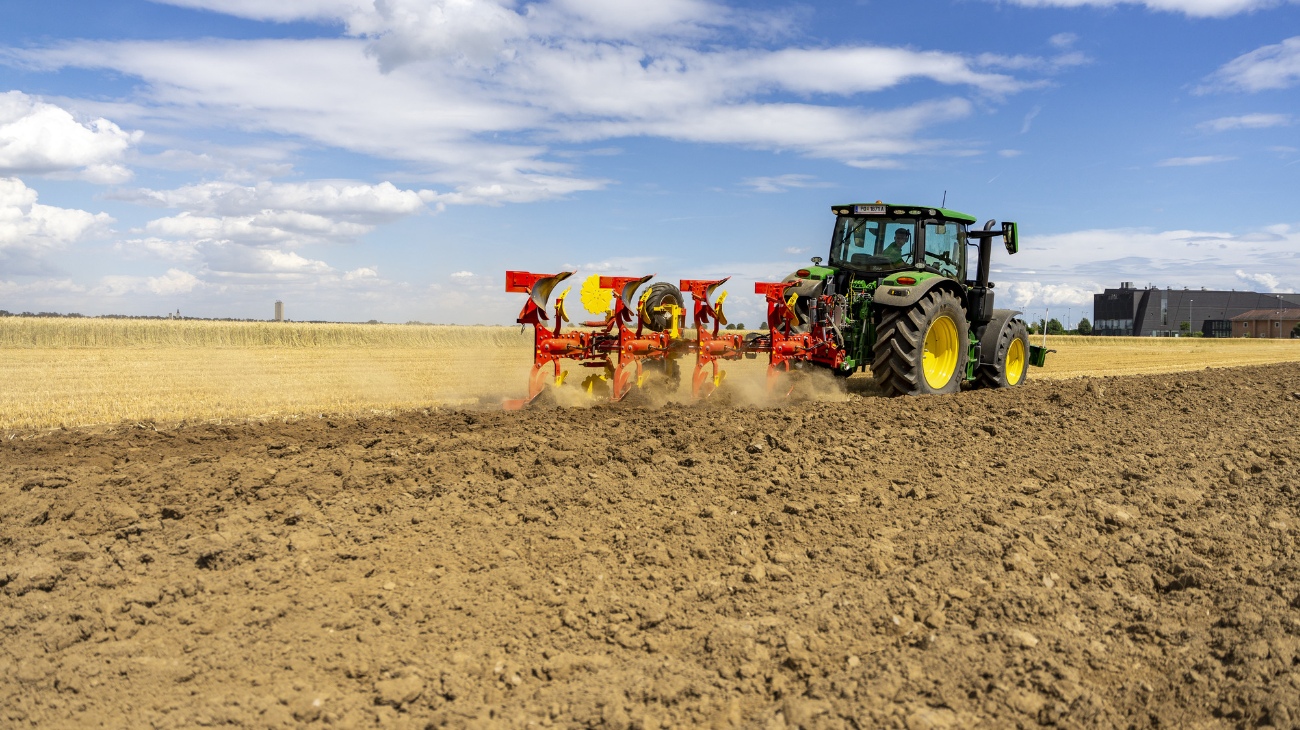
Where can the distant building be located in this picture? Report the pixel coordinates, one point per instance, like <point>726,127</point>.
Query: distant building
<point>1155,312</point>
<point>279,311</point>
<point>1273,323</point>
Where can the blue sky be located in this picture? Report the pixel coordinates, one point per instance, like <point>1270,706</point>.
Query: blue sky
<point>390,159</point>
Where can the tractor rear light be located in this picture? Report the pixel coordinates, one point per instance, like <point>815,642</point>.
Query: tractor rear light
<point>906,280</point>
<point>803,273</point>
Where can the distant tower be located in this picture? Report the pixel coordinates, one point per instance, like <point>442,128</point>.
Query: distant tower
<point>279,311</point>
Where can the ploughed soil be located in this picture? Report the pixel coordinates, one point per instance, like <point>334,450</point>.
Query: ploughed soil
<point>1111,552</point>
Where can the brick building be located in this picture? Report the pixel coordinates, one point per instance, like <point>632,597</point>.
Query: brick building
<point>1272,323</point>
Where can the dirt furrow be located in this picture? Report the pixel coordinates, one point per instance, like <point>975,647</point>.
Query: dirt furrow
<point>1112,552</point>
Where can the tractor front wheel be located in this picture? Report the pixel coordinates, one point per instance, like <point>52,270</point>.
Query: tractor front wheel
<point>921,349</point>
<point>1010,364</point>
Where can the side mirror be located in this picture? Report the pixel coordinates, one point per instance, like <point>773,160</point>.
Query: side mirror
<point>1011,237</point>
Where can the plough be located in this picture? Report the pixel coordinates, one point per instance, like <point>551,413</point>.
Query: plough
<point>649,332</point>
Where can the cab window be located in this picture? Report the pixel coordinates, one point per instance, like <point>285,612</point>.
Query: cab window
<point>944,249</point>
<point>880,244</point>
<point>899,244</point>
<point>855,240</point>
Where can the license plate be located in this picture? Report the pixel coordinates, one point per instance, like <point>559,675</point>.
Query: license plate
<point>869,210</point>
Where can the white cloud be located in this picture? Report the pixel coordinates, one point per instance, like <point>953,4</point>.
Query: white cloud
<point>40,286</point>
<point>633,18</point>
<point>236,164</point>
<point>794,250</point>
<point>1063,40</point>
<point>41,138</point>
<point>1194,8</point>
<point>1029,119</point>
<point>154,247</point>
<point>462,275</point>
<point>519,189</point>
<point>173,282</point>
<point>474,31</point>
<point>1269,67</point>
<point>269,214</point>
<point>1054,64</point>
<point>851,135</point>
<point>282,11</point>
<point>781,183</point>
<point>1026,293</point>
<point>1010,153</point>
<point>1268,282</point>
<point>1063,270</point>
<point>846,70</point>
<point>272,227</point>
<point>29,229</point>
<point>229,259</point>
<point>1194,161</point>
<point>875,164</point>
<point>1246,121</point>
<point>352,200</point>
<point>1179,258</point>
<point>470,92</point>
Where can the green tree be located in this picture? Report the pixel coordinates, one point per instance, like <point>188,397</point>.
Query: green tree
<point>1295,331</point>
<point>1054,327</point>
<point>1084,327</point>
<point>1185,328</point>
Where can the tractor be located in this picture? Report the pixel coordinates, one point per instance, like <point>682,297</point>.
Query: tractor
<point>898,296</point>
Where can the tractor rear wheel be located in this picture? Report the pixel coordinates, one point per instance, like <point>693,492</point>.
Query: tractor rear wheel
<point>921,349</point>
<point>1010,364</point>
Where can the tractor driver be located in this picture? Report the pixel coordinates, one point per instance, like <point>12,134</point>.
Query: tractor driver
<point>899,247</point>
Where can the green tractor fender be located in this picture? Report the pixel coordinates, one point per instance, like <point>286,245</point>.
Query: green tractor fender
<point>988,336</point>
<point>894,292</point>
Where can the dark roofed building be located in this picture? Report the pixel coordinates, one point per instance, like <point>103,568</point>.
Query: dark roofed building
<point>1132,312</point>
<point>1276,323</point>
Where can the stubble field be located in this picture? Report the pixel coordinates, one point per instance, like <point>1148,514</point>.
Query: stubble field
<point>74,373</point>
<point>1101,551</point>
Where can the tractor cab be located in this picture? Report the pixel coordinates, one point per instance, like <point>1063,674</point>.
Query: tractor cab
<point>878,239</point>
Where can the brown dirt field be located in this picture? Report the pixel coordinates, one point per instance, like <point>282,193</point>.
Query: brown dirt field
<point>1110,552</point>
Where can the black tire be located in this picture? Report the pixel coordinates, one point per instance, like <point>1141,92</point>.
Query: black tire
<point>659,294</point>
<point>995,374</point>
<point>897,363</point>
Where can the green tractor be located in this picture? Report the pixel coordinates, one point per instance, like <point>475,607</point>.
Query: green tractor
<point>900,296</point>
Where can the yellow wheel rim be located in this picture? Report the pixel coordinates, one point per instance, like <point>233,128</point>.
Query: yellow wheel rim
<point>1015,364</point>
<point>939,361</point>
